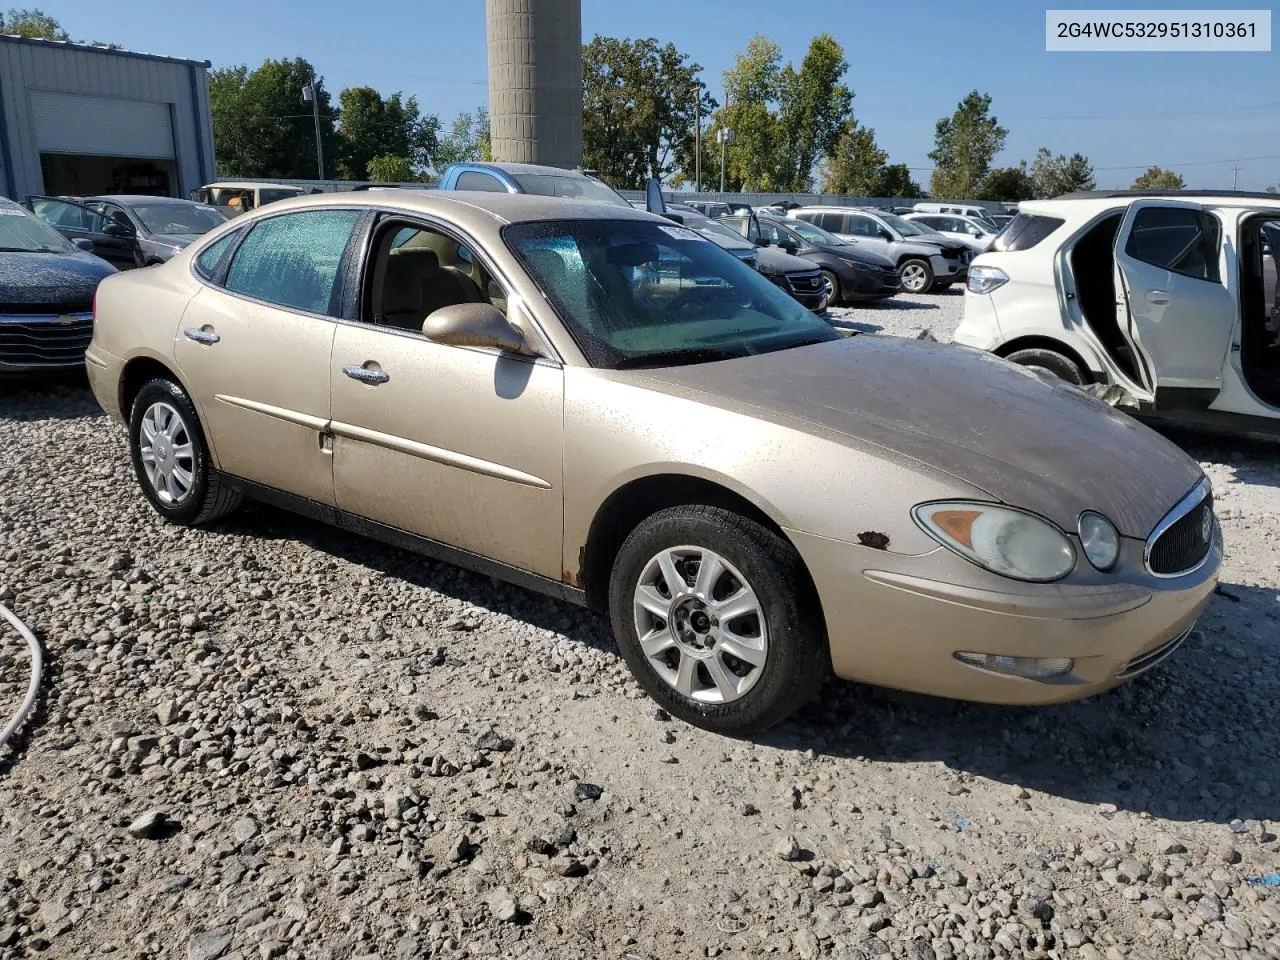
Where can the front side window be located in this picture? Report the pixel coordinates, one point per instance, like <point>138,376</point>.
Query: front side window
<point>470,180</point>
<point>632,293</point>
<point>293,260</point>
<point>1179,239</point>
<point>863,227</point>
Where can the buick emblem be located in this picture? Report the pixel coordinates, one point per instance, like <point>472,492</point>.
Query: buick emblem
<point>1206,524</point>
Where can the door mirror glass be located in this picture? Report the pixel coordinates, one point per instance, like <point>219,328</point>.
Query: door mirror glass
<point>473,325</point>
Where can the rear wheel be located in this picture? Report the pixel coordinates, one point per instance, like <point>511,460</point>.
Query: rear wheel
<point>917,275</point>
<point>1049,361</point>
<point>715,617</point>
<point>171,458</point>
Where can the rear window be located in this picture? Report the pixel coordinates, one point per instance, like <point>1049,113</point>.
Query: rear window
<point>1024,231</point>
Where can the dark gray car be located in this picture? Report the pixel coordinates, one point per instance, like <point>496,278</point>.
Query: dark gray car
<point>163,225</point>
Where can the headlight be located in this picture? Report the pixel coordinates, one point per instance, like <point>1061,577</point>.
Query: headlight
<point>1100,540</point>
<point>1001,539</point>
<point>854,263</point>
<point>985,279</point>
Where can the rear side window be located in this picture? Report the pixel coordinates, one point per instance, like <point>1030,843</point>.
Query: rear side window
<point>469,180</point>
<point>293,260</point>
<point>831,222</point>
<point>1179,239</point>
<point>1024,231</point>
<point>207,260</point>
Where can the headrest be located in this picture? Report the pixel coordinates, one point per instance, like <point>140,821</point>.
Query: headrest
<point>424,260</point>
<point>402,286</point>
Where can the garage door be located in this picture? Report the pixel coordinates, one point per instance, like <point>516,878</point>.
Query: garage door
<point>101,126</point>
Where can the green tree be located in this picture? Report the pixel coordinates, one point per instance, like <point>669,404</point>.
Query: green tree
<point>1158,179</point>
<point>370,126</point>
<point>33,24</point>
<point>262,127</point>
<point>1053,176</point>
<point>856,165</point>
<point>640,103</point>
<point>1272,188</point>
<point>895,181</point>
<point>467,139</point>
<point>751,87</point>
<point>1008,184</point>
<point>388,168</point>
<point>965,143</point>
<point>813,111</point>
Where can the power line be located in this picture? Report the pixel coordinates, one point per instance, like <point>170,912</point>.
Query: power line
<point>1157,116</point>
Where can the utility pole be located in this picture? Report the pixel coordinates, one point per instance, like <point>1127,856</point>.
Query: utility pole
<point>697,139</point>
<point>309,94</point>
<point>725,136</point>
<point>1235,176</point>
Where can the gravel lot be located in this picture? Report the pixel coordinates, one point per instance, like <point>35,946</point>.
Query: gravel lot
<point>269,739</point>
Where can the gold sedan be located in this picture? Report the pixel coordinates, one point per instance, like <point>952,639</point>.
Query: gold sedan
<point>601,404</point>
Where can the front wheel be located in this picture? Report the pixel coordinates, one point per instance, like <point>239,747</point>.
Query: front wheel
<point>715,617</point>
<point>917,275</point>
<point>171,458</point>
<point>831,289</point>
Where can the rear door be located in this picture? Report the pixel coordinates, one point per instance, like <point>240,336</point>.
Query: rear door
<point>117,243</point>
<point>1171,301</point>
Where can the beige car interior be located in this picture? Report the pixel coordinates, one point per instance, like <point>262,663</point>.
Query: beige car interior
<point>414,277</point>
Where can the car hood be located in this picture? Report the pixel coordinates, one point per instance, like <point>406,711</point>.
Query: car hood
<point>851,251</point>
<point>1039,445</point>
<point>51,278</point>
<point>776,261</point>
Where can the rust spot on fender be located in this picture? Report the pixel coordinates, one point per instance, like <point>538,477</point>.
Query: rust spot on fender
<point>572,579</point>
<point>874,540</point>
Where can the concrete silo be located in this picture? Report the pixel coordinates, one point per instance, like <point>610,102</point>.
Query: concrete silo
<point>535,80</point>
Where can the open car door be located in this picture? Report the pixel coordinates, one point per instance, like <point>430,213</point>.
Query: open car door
<point>1171,302</point>
<point>115,242</point>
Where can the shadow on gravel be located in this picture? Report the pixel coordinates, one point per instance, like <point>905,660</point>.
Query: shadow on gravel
<point>1194,739</point>
<point>63,397</point>
<point>1254,460</point>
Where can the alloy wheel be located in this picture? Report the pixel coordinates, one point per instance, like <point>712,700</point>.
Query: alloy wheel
<point>168,456</point>
<point>913,278</point>
<point>700,624</point>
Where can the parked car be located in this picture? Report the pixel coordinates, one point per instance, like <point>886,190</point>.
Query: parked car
<point>973,233</point>
<point>798,277</point>
<point>529,178</point>
<point>1001,220</point>
<point>235,197</point>
<point>710,208</point>
<point>588,400</point>
<point>956,209</point>
<point>163,225</point>
<point>849,273</point>
<point>117,243</point>
<point>926,261</point>
<point>47,285</point>
<point>1165,304</point>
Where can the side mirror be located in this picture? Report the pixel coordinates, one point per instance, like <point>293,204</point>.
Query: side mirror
<point>473,325</point>
<point>121,230</point>
<point>674,217</point>
<point>789,245</point>
<point>83,243</point>
<point>762,241</point>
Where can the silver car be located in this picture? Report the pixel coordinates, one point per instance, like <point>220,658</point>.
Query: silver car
<point>163,225</point>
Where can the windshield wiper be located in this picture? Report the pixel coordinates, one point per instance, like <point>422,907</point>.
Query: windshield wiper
<point>25,250</point>
<point>673,357</point>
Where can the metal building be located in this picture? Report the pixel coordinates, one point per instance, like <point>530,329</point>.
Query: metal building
<point>78,119</point>
<point>535,81</point>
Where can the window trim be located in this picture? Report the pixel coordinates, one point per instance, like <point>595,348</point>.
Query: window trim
<point>361,272</point>
<point>225,263</point>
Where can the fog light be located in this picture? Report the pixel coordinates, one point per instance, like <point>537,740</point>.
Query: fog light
<point>1033,668</point>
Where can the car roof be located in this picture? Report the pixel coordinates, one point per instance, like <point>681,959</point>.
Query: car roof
<point>466,205</point>
<point>131,198</point>
<point>254,185</point>
<point>1094,201</point>
<point>519,168</point>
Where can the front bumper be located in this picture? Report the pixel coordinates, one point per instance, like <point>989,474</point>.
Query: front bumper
<point>863,284</point>
<point>948,271</point>
<point>44,343</point>
<point>897,621</point>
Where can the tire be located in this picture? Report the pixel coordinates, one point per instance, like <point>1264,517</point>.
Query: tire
<point>191,491</point>
<point>1039,358</point>
<point>917,275</point>
<point>780,627</point>
<point>832,284</point>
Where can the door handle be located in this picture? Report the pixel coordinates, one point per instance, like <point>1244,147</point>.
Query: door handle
<point>1159,297</point>
<point>201,336</point>
<point>365,375</point>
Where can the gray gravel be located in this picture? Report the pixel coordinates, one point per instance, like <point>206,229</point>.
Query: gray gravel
<point>906,315</point>
<point>269,739</point>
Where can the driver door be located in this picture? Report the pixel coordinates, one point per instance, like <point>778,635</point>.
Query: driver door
<point>114,242</point>
<point>1171,301</point>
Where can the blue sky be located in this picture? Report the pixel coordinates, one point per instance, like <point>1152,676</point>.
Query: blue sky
<point>910,62</point>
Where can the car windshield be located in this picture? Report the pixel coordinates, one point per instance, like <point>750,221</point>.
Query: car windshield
<point>173,218</point>
<point>905,227</point>
<point>577,188</point>
<point>633,292</point>
<point>21,232</point>
<point>815,234</point>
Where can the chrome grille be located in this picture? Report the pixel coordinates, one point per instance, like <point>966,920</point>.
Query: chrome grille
<point>44,343</point>
<point>1145,661</point>
<point>806,282</point>
<point>1182,540</point>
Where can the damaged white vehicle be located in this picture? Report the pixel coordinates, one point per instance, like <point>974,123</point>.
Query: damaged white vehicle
<point>1164,304</point>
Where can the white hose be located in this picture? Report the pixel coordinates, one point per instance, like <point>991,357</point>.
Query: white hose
<point>37,668</point>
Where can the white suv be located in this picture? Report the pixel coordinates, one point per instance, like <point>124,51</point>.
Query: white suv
<point>1162,303</point>
<point>976,234</point>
